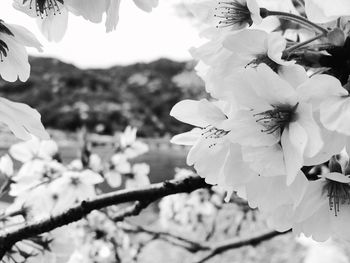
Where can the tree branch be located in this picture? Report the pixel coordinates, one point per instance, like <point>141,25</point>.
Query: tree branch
<point>152,192</point>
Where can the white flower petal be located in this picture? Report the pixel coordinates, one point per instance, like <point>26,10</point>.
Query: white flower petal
<point>146,5</point>
<point>22,120</point>
<point>236,171</point>
<point>15,65</point>
<point>318,88</point>
<point>293,142</point>
<point>295,75</point>
<point>24,36</point>
<point>255,42</point>
<point>113,178</point>
<point>91,10</point>
<point>273,89</point>
<point>25,151</point>
<point>54,27</point>
<point>313,131</point>
<point>335,114</point>
<point>266,160</point>
<point>187,138</point>
<point>338,177</point>
<point>112,15</point>
<point>198,113</point>
<point>246,131</point>
<point>89,177</point>
<point>326,10</point>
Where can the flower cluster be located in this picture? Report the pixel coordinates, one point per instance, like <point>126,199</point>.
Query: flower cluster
<point>277,119</point>
<point>44,186</point>
<point>136,175</point>
<point>190,211</point>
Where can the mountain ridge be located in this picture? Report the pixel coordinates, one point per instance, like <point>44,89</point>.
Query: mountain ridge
<point>107,100</point>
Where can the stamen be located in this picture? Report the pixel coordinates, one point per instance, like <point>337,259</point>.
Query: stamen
<point>263,58</point>
<point>211,132</point>
<point>3,50</point>
<point>75,181</point>
<point>233,13</point>
<point>42,7</point>
<point>3,46</point>
<point>277,118</point>
<point>338,194</point>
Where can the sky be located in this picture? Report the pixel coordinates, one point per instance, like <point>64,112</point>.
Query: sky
<point>139,37</point>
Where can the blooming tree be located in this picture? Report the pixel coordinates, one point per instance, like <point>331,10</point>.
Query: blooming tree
<point>272,135</point>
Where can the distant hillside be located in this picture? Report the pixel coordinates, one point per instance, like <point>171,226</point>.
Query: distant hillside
<point>106,100</point>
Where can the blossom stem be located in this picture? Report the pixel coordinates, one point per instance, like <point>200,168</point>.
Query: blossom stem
<point>299,19</point>
<point>301,44</point>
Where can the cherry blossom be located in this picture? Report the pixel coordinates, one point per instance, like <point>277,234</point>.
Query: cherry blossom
<point>221,58</point>
<point>279,109</point>
<point>138,177</point>
<point>230,15</point>
<point>324,210</point>
<point>13,54</point>
<point>210,143</point>
<point>52,15</point>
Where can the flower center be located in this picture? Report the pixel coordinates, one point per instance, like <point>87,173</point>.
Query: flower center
<point>277,118</point>
<point>75,181</point>
<point>233,13</point>
<point>42,7</point>
<point>264,58</point>
<point>337,193</point>
<point>3,46</point>
<point>211,132</point>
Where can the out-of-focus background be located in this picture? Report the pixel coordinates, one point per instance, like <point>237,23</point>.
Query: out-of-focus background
<point>104,82</point>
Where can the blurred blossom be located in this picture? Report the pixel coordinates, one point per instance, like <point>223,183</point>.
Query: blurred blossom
<point>95,238</point>
<point>181,173</point>
<point>113,178</point>
<point>6,165</point>
<point>120,163</point>
<point>95,163</point>
<point>74,186</point>
<point>76,165</point>
<point>139,176</point>
<point>136,149</point>
<point>34,149</point>
<point>189,210</point>
<point>119,166</point>
<point>38,201</point>
<point>128,137</point>
<point>129,145</point>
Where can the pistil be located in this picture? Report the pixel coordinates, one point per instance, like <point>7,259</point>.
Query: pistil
<point>277,118</point>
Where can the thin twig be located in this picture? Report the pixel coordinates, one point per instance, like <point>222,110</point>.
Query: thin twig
<point>132,210</point>
<point>188,244</point>
<point>239,242</point>
<point>295,18</point>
